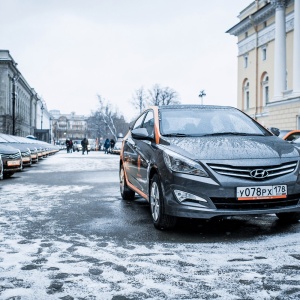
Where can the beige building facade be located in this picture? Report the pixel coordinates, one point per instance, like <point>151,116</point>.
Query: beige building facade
<point>269,62</point>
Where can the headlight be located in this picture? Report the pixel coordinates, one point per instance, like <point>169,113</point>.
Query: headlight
<point>181,164</point>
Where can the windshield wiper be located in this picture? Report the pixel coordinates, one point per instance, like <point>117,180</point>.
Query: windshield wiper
<point>233,133</point>
<point>176,134</point>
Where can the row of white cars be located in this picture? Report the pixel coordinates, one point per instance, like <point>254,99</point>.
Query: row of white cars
<point>17,153</point>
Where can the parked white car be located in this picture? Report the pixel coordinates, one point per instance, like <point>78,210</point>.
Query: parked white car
<point>77,145</point>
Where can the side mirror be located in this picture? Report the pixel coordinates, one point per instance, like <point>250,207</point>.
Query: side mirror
<point>140,134</point>
<point>275,130</point>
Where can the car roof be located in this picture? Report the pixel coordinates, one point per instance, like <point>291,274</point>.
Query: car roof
<point>192,106</point>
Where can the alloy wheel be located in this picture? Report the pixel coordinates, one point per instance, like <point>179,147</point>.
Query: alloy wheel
<point>122,181</point>
<point>155,201</point>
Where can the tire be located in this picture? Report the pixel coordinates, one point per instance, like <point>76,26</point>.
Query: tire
<point>292,217</point>
<point>160,220</point>
<point>126,192</point>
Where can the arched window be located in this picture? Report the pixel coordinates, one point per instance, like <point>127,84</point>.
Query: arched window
<point>246,94</point>
<point>265,89</point>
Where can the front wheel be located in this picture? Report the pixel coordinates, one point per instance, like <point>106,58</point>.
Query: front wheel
<point>291,217</point>
<point>126,192</point>
<point>160,219</point>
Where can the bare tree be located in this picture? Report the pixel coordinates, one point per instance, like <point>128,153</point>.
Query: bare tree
<point>106,115</point>
<point>105,121</point>
<point>163,96</point>
<point>139,99</point>
<point>154,95</point>
<point>169,96</point>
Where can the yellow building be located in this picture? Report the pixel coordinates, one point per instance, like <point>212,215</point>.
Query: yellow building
<point>269,62</point>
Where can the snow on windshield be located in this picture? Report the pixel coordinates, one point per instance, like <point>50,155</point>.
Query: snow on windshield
<point>207,121</point>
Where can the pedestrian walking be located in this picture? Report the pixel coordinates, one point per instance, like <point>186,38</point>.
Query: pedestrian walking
<point>84,144</point>
<point>68,145</point>
<point>71,146</point>
<point>112,144</point>
<point>106,145</point>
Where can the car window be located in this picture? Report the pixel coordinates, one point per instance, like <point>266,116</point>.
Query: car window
<point>2,140</point>
<point>138,122</point>
<point>149,123</point>
<point>8,138</point>
<point>207,121</point>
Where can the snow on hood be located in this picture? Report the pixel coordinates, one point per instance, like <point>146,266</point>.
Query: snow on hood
<point>233,147</point>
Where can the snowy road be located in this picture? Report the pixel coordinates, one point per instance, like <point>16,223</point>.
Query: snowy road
<point>66,234</point>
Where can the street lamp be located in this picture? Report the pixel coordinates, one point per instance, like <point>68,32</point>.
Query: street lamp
<point>201,95</point>
<point>42,110</point>
<point>50,121</point>
<point>14,97</point>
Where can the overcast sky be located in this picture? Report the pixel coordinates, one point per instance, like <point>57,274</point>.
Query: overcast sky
<point>71,50</point>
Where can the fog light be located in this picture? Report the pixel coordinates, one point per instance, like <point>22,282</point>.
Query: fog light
<point>181,196</point>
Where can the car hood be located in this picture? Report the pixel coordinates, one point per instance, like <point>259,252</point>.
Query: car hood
<point>232,147</point>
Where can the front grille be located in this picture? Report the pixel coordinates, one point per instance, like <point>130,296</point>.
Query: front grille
<point>11,156</point>
<point>264,172</point>
<point>234,204</point>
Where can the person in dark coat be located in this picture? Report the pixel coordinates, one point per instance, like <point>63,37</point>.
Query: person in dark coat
<point>106,146</point>
<point>112,144</point>
<point>68,145</point>
<point>84,144</point>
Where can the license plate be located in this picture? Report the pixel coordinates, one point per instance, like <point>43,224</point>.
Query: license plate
<point>13,163</point>
<point>261,192</point>
<point>25,159</point>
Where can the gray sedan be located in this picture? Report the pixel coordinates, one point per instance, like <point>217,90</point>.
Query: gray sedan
<point>208,161</point>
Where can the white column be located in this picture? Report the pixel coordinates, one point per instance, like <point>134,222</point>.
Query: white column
<point>280,49</point>
<point>296,50</point>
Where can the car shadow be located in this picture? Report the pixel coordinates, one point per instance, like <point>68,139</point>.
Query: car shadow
<point>226,229</point>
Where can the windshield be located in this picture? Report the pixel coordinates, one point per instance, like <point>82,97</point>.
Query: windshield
<point>210,121</point>
<point>2,140</point>
<point>7,138</point>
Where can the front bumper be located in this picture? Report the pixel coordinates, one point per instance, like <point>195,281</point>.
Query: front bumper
<point>220,200</point>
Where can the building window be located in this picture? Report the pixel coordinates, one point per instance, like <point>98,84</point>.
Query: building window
<point>246,61</point>
<point>265,89</point>
<point>247,100</point>
<point>267,94</point>
<point>264,53</point>
<point>246,95</point>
